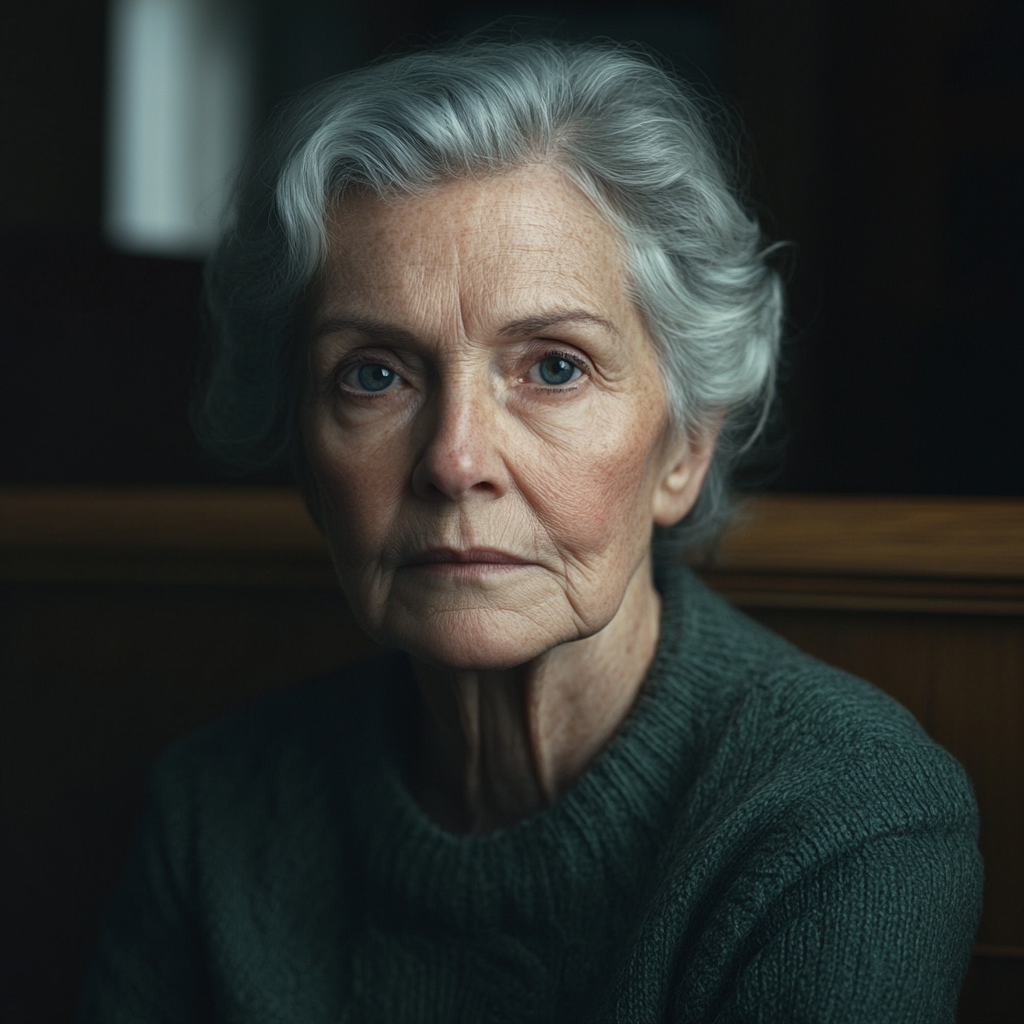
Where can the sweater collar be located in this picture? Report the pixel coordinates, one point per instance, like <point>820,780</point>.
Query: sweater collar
<point>603,835</point>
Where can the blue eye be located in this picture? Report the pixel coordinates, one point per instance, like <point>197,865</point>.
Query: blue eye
<point>556,370</point>
<point>374,377</point>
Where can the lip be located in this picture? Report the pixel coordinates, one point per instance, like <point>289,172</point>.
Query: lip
<point>468,556</point>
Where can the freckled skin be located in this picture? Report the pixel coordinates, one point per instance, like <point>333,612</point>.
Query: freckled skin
<point>525,669</point>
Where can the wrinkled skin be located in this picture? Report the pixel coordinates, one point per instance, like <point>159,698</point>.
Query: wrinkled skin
<point>488,432</point>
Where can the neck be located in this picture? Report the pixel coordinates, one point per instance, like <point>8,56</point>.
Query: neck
<point>498,746</point>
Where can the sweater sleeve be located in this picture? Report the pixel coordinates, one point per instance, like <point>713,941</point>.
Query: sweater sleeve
<point>859,905</point>
<point>881,935</point>
<point>147,966</point>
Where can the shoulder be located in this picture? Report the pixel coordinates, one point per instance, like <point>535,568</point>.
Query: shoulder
<point>789,730</point>
<point>822,838</point>
<point>282,751</point>
<point>243,848</point>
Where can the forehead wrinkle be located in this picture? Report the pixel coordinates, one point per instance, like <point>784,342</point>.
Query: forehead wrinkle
<point>412,265</point>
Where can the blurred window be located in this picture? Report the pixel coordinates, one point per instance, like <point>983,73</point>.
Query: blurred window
<point>179,103</point>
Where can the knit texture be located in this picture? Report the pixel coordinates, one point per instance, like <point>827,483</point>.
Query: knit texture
<point>765,839</point>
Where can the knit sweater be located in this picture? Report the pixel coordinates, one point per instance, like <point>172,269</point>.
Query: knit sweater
<point>764,839</point>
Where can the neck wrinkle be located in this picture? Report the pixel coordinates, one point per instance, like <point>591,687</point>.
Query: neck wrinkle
<point>498,747</point>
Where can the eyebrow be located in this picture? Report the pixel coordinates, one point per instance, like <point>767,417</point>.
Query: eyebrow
<point>378,330</point>
<point>541,322</point>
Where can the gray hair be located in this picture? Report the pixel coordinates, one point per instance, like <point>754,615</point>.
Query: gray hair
<point>630,136</point>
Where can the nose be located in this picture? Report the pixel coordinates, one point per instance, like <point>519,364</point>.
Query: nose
<point>460,456</point>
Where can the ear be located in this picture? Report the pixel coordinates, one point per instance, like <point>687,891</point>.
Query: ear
<point>686,462</point>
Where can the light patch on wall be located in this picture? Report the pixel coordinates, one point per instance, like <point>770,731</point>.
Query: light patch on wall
<point>179,104</point>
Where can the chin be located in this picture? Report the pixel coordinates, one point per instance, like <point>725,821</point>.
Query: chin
<point>473,641</point>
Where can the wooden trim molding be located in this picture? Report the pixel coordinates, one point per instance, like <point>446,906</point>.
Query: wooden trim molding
<point>855,535</point>
<point>158,518</point>
<point>783,551</point>
<point>249,536</point>
<point>955,555</point>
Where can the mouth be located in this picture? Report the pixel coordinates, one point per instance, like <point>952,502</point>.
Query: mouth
<point>481,558</point>
<point>464,564</point>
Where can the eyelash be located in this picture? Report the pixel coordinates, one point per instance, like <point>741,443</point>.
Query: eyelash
<point>339,375</point>
<point>337,378</point>
<point>569,357</point>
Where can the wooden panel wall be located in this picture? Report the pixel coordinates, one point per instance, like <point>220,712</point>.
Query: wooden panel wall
<point>127,618</point>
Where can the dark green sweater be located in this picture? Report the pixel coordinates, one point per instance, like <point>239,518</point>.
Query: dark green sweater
<point>765,839</point>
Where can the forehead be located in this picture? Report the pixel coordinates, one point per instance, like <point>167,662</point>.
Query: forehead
<point>482,247</point>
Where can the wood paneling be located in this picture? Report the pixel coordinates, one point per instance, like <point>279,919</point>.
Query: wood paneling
<point>129,617</point>
<point>263,519</point>
<point>258,536</point>
<point>967,538</point>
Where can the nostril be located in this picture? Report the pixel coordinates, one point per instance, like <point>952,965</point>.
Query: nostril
<point>454,476</point>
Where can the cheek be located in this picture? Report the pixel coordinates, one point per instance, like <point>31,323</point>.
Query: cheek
<point>361,476</point>
<point>595,496</point>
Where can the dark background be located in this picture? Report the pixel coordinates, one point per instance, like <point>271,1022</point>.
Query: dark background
<point>884,139</point>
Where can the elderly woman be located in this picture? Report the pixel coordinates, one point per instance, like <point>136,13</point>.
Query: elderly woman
<point>503,313</point>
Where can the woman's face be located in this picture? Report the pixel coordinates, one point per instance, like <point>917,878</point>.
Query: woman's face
<point>487,423</point>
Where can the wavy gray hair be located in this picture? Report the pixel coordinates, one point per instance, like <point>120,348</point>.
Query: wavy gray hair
<point>629,135</point>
